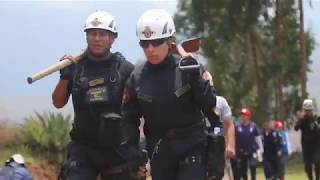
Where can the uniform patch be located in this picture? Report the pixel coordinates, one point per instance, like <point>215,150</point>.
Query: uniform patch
<point>179,92</point>
<point>97,94</point>
<point>144,97</point>
<point>96,82</point>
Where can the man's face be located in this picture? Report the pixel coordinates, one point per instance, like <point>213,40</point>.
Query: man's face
<point>267,126</point>
<point>99,41</point>
<point>244,119</point>
<point>308,113</point>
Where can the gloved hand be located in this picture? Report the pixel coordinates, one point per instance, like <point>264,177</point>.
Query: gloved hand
<point>66,73</point>
<point>190,65</point>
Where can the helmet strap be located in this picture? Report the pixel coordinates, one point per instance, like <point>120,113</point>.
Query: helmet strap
<point>171,41</point>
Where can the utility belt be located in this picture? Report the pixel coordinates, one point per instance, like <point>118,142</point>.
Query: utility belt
<point>183,132</point>
<point>176,133</point>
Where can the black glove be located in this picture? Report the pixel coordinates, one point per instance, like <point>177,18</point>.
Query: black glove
<point>66,73</point>
<point>190,66</point>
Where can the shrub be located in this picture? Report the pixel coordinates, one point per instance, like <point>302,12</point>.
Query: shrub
<point>47,131</point>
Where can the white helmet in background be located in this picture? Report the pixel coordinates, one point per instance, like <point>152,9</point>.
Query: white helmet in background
<point>307,104</point>
<point>101,20</point>
<point>18,158</point>
<point>155,24</point>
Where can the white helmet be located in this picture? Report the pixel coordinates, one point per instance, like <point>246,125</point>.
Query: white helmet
<point>18,158</point>
<point>155,24</point>
<point>307,104</point>
<point>101,20</point>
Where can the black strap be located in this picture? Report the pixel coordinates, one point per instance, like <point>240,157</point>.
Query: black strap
<point>182,132</point>
<point>116,169</point>
<point>177,79</point>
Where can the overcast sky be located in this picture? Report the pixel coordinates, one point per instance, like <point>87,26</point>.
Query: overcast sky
<point>35,34</point>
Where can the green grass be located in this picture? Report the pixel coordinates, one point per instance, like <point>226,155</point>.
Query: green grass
<point>294,169</point>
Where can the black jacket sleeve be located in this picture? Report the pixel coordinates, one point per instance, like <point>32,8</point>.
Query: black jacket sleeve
<point>204,96</point>
<point>203,93</point>
<point>131,111</point>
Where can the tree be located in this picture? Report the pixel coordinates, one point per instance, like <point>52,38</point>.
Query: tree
<point>251,52</point>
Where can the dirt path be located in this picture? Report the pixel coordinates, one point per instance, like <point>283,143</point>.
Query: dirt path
<point>42,171</point>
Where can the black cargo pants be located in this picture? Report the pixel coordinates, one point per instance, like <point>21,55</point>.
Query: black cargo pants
<point>216,157</point>
<point>87,163</point>
<point>311,160</point>
<point>240,167</point>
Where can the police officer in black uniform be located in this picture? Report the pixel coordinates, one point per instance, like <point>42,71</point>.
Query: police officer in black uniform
<point>309,125</point>
<point>96,82</point>
<point>170,101</point>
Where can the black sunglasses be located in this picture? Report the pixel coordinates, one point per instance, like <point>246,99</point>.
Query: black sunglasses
<point>154,43</point>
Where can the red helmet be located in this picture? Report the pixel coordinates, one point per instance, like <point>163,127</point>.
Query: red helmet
<point>278,124</point>
<point>245,112</point>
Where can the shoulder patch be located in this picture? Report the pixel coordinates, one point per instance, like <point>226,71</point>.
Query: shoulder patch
<point>125,96</point>
<point>144,97</point>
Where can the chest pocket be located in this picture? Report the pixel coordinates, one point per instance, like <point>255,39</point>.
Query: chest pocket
<point>145,90</point>
<point>99,88</point>
<point>97,91</point>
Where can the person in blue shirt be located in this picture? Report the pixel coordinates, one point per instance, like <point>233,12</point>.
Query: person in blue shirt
<point>247,144</point>
<point>15,169</point>
<point>285,147</point>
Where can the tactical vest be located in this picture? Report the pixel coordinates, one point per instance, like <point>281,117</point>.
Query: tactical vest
<point>96,93</point>
<point>165,97</point>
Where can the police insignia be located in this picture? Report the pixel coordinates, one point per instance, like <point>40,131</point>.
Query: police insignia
<point>97,94</point>
<point>96,82</point>
<point>182,90</point>
<point>96,22</point>
<point>144,97</point>
<point>147,32</point>
<point>125,96</point>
